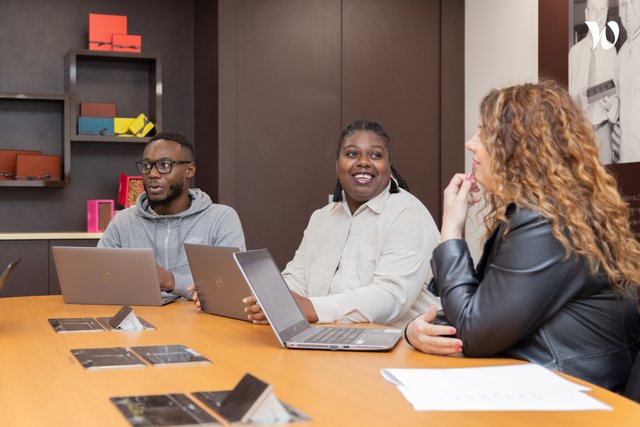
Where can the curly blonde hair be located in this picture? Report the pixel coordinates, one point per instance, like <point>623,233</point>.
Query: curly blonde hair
<point>544,157</point>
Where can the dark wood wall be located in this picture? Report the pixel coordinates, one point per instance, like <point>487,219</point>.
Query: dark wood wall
<point>553,39</point>
<point>264,87</point>
<point>34,37</point>
<point>293,73</point>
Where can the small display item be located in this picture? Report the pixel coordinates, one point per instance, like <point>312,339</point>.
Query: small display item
<point>8,161</point>
<point>601,90</point>
<point>99,215</point>
<point>75,324</point>
<point>163,355</point>
<point>121,126</point>
<point>141,126</point>
<point>107,358</point>
<point>127,43</point>
<point>106,323</point>
<point>163,410</point>
<point>96,126</point>
<point>98,109</point>
<point>101,30</point>
<point>38,167</point>
<point>213,400</point>
<point>130,189</point>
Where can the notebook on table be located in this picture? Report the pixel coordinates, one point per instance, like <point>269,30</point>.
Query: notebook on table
<point>289,323</point>
<point>218,280</point>
<point>120,276</point>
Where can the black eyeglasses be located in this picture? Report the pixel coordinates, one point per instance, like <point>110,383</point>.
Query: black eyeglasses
<point>162,165</point>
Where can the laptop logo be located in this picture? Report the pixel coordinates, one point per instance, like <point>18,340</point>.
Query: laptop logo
<point>106,278</point>
<point>219,282</point>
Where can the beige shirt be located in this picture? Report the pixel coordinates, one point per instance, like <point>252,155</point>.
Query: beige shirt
<point>371,266</point>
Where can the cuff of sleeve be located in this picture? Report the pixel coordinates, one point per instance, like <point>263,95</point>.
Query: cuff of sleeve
<point>406,338</point>
<point>326,308</point>
<point>181,285</point>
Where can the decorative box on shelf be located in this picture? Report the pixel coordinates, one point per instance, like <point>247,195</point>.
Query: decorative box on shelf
<point>99,215</point>
<point>98,109</point>
<point>121,126</point>
<point>127,43</point>
<point>95,126</point>
<point>38,167</point>
<point>8,162</point>
<point>141,126</point>
<point>103,27</point>
<point>130,188</point>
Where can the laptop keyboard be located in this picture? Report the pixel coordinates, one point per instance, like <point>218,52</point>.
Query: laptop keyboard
<point>335,335</point>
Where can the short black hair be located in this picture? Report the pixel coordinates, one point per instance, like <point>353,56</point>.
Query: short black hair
<point>175,137</point>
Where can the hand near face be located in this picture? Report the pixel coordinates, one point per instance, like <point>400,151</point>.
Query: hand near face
<point>430,338</point>
<point>458,196</point>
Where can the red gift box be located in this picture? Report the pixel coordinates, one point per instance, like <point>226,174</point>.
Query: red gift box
<point>130,188</point>
<point>8,160</point>
<point>37,167</point>
<point>127,43</point>
<point>97,109</point>
<point>103,27</point>
<point>99,215</point>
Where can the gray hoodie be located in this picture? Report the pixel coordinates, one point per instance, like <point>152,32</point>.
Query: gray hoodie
<point>204,222</point>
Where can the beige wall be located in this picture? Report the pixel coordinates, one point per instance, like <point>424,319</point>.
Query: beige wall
<point>501,48</point>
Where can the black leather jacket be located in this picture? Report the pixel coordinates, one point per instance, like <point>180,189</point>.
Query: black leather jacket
<point>526,301</point>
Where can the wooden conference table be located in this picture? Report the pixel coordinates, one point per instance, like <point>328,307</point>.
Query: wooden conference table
<point>42,384</point>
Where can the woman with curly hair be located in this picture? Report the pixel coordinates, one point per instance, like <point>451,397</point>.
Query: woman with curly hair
<point>556,283</point>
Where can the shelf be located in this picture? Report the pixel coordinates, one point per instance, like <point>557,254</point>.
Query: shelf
<point>110,139</point>
<point>46,114</point>
<point>31,183</point>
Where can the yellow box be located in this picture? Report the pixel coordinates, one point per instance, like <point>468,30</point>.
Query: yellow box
<point>121,126</point>
<point>141,126</point>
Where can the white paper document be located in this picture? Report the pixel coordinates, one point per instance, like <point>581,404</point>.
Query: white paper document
<point>526,387</point>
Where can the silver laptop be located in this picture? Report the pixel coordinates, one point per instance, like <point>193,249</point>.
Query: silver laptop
<point>120,276</point>
<point>288,321</point>
<point>218,280</point>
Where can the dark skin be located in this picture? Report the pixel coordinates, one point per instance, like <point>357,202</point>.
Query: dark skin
<point>168,193</point>
<point>363,167</point>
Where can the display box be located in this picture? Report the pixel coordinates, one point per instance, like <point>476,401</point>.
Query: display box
<point>141,126</point>
<point>97,109</point>
<point>103,27</point>
<point>8,160</point>
<point>38,167</point>
<point>127,43</point>
<point>130,188</point>
<point>121,126</point>
<point>99,215</point>
<point>95,126</point>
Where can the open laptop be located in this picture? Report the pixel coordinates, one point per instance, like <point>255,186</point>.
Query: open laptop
<point>288,321</point>
<point>7,272</point>
<point>218,280</point>
<point>120,276</point>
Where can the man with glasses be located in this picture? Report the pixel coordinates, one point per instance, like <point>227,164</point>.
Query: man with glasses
<point>169,214</point>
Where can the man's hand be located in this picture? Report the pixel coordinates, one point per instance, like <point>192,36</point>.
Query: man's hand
<point>167,282</point>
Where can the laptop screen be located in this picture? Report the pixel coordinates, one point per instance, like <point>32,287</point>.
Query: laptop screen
<point>272,292</point>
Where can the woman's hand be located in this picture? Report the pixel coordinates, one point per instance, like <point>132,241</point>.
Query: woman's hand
<point>458,196</point>
<point>430,338</point>
<point>254,311</point>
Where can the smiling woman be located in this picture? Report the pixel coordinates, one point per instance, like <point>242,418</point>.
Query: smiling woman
<point>364,257</point>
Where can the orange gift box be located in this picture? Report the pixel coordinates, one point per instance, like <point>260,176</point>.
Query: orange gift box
<point>38,166</point>
<point>127,43</point>
<point>130,188</point>
<point>103,27</point>
<point>8,161</point>
<point>99,214</point>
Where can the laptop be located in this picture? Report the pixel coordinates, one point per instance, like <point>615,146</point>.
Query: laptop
<point>218,280</point>
<point>7,272</point>
<point>289,323</point>
<point>119,276</point>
